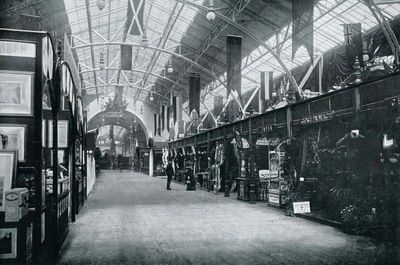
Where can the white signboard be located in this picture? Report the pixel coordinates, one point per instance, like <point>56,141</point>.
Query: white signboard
<point>301,207</point>
<point>18,49</point>
<point>273,198</point>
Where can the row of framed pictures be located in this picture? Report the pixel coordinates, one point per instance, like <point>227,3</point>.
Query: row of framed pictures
<point>16,136</point>
<point>16,94</point>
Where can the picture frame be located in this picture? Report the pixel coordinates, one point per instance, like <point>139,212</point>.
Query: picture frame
<point>8,172</point>
<point>16,89</point>
<point>16,138</point>
<point>8,243</point>
<point>63,130</point>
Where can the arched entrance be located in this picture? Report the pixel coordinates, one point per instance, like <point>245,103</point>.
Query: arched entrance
<point>120,133</point>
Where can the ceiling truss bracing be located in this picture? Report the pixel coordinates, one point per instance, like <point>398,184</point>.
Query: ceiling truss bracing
<point>89,21</point>
<point>162,41</point>
<point>234,11</point>
<point>281,38</point>
<point>179,56</point>
<point>159,14</point>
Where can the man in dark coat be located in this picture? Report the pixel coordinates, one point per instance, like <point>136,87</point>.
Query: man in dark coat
<point>170,172</point>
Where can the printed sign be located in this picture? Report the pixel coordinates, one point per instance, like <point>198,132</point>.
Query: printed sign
<point>273,198</point>
<point>317,117</point>
<point>301,207</point>
<point>18,49</point>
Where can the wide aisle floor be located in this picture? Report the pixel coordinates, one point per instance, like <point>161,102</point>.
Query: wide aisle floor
<point>131,218</point>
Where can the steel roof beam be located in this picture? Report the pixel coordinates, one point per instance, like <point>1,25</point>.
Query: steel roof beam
<point>90,29</point>
<point>205,70</point>
<point>238,7</point>
<point>167,31</point>
<point>132,70</point>
<point>127,86</point>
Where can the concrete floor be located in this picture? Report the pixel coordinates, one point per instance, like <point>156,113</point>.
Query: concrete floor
<point>131,218</point>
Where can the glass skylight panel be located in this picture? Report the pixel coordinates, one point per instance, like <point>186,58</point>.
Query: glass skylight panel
<point>328,34</point>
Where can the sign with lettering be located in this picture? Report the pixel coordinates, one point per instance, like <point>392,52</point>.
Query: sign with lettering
<point>18,49</point>
<point>268,128</point>
<point>273,198</point>
<point>301,207</point>
<point>317,117</point>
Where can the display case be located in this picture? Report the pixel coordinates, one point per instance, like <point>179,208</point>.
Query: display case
<point>276,185</point>
<point>242,182</point>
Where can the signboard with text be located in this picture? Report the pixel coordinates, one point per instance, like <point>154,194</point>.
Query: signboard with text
<point>301,207</point>
<point>317,117</point>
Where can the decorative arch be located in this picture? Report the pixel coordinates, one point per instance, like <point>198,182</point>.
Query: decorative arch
<point>124,119</point>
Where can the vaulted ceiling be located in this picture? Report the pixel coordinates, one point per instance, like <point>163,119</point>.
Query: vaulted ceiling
<point>179,33</point>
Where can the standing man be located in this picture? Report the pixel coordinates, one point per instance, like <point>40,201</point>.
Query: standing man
<point>170,172</point>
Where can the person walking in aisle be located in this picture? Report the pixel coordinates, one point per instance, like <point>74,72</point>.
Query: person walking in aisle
<point>169,170</point>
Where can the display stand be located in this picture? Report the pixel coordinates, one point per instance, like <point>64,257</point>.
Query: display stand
<point>242,183</point>
<point>276,191</point>
<point>31,95</point>
<point>143,159</point>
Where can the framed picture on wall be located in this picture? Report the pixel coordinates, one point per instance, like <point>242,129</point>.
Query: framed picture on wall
<point>16,93</point>
<point>15,138</point>
<point>8,171</point>
<point>8,243</point>
<point>62,134</point>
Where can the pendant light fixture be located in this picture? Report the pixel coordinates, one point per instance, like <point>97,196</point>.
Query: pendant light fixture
<point>100,4</point>
<point>101,64</point>
<point>211,11</point>
<point>170,69</point>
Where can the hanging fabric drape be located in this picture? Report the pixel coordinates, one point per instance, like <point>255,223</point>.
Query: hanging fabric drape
<point>194,93</point>
<point>303,26</point>
<point>134,17</point>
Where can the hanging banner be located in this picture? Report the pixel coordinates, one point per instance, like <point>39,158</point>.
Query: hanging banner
<point>174,111</point>
<point>119,90</point>
<point>179,108</point>
<point>234,64</point>
<point>126,57</point>
<point>353,42</point>
<point>168,118</point>
<point>303,26</point>
<point>218,105</point>
<point>155,124</point>
<point>134,18</point>
<point>194,93</point>
<point>163,111</point>
<point>265,93</point>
